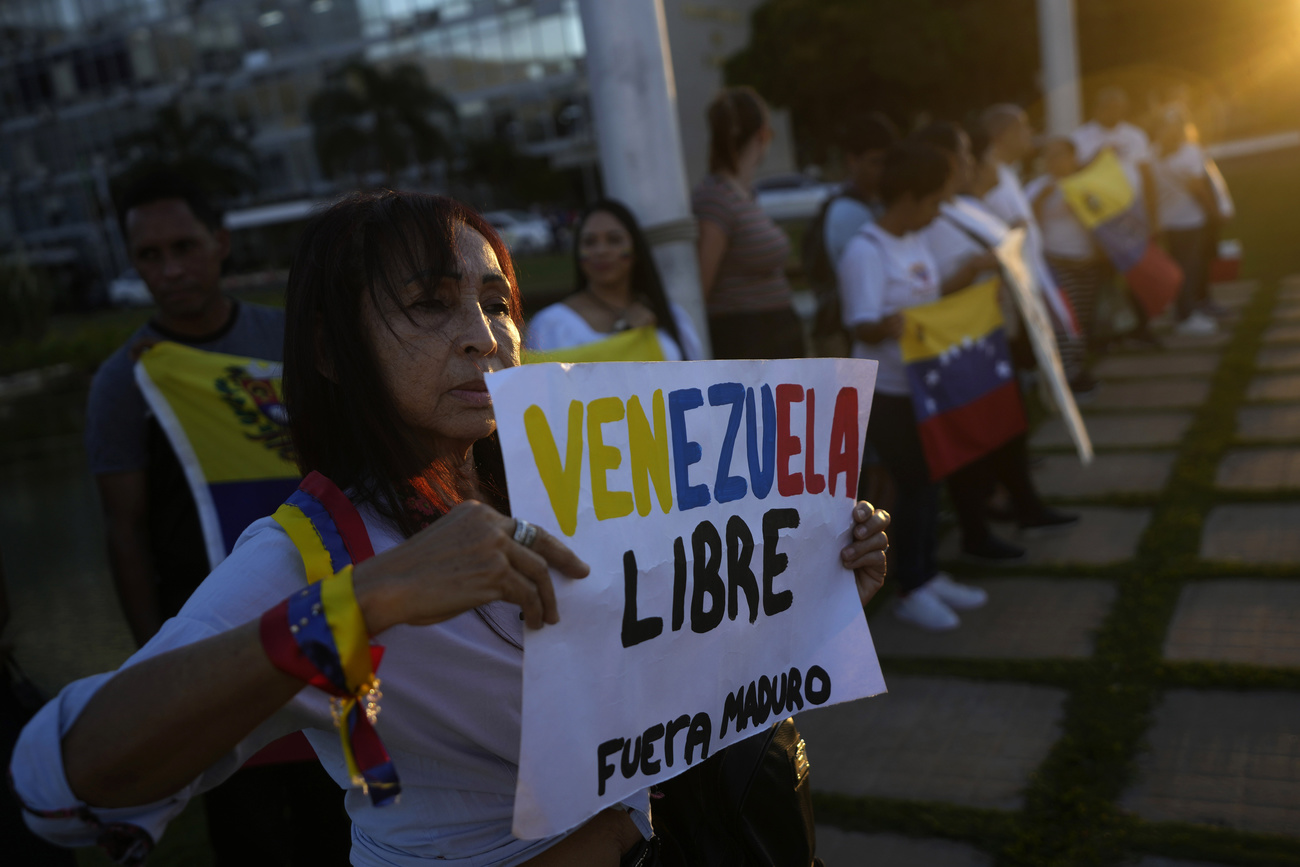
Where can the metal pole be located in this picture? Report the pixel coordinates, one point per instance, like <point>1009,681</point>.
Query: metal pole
<point>634,103</point>
<point>1059,47</point>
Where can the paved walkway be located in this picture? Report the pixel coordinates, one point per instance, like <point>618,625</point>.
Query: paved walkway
<point>972,716</point>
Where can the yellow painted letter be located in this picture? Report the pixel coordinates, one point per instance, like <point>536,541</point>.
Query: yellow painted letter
<point>562,482</point>
<point>649,450</point>
<point>608,504</point>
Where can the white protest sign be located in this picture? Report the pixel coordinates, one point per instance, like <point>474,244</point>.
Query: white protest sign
<point>1033,313</point>
<point>712,500</point>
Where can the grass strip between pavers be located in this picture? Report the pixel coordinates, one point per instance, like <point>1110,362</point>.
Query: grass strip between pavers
<point>1070,815</point>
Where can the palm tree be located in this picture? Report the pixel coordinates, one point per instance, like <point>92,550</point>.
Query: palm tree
<point>203,146</point>
<point>365,118</point>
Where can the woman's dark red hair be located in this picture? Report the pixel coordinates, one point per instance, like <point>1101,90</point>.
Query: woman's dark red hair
<point>344,422</point>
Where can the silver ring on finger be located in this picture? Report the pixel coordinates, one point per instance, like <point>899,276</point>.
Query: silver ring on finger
<point>525,533</point>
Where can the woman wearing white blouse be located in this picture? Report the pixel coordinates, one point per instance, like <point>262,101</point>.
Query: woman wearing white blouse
<point>618,288</point>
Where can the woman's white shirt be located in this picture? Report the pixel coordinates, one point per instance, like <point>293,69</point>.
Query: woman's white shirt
<point>1064,237</point>
<point>1179,209</point>
<point>451,720</point>
<point>879,275</point>
<point>965,228</point>
<point>559,326</point>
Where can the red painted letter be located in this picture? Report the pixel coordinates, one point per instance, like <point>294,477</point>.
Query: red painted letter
<point>814,482</point>
<point>787,444</point>
<point>844,441</point>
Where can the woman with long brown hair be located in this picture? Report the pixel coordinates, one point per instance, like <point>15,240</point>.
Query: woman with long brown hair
<point>399,306</point>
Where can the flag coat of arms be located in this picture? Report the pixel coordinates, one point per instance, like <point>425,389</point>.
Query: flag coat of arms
<point>1103,199</point>
<point>963,385</point>
<point>226,421</point>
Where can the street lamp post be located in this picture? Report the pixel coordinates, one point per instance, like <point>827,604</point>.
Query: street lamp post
<point>1059,47</point>
<point>634,103</point>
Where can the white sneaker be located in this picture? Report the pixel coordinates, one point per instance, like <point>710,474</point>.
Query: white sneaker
<point>923,608</point>
<point>1198,325</point>
<point>962,597</point>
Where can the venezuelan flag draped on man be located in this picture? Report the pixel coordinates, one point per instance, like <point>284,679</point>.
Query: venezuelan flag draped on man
<point>1102,197</point>
<point>225,419</point>
<point>963,384</point>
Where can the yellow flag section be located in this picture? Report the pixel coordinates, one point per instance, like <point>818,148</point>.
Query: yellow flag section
<point>959,372</point>
<point>226,421</point>
<point>637,344</point>
<point>931,329</point>
<point>1100,192</point>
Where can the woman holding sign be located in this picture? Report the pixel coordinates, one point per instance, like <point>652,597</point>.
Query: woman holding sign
<point>619,290</point>
<point>398,306</point>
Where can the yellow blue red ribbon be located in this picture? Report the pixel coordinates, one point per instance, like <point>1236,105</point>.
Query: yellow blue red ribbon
<point>319,633</point>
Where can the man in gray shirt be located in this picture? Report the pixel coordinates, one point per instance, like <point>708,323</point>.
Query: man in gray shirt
<point>286,810</point>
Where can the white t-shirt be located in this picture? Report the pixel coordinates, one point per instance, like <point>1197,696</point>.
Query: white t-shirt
<point>1010,202</point>
<point>1129,142</point>
<point>1064,237</point>
<point>879,275</point>
<point>1178,207</point>
<point>559,326</point>
<point>952,237</point>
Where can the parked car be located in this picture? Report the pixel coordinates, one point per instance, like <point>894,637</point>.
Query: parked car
<point>128,290</point>
<point>791,196</point>
<point>523,232</point>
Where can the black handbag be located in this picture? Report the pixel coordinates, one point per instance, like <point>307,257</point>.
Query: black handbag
<point>749,804</point>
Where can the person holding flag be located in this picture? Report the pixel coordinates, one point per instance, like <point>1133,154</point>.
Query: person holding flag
<point>398,307</point>
<point>885,270</point>
<point>619,311</point>
<point>962,240</point>
<point>156,541</point>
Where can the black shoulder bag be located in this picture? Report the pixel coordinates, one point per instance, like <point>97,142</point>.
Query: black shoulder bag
<point>748,805</point>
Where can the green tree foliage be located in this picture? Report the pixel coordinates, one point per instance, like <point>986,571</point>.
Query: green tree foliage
<point>25,300</point>
<point>202,146</point>
<point>366,119</point>
<point>823,58</point>
<point>951,58</point>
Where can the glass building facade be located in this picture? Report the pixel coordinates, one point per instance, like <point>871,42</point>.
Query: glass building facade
<point>80,78</point>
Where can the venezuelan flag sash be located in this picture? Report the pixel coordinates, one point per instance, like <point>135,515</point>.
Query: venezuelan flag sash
<point>333,652</point>
<point>636,344</point>
<point>225,419</point>
<point>1103,199</point>
<point>964,392</point>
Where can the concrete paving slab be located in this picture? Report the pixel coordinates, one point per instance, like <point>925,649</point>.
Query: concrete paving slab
<point>1113,430</point>
<point>838,848</point>
<point>1268,423</point>
<point>1184,341</point>
<point>1286,333</point>
<point>1109,473</point>
<point>1150,394</point>
<point>1102,537</point>
<point>973,743</point>
<point>1168,364</point>
<point>1234,293</point>
<point>1260,469</point>
<point>1252,533</point>
<point>1222,758</point>
<point>1025,618</point>
<point>1278,358</point>
<point>1275,387</point>
<point>1238,620</point>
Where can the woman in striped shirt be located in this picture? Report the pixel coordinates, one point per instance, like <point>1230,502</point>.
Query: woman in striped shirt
<point>742,251</point>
